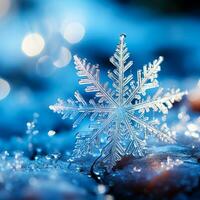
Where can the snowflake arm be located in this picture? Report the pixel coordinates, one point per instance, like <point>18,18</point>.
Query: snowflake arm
<point>136,145</point>
<point>162,103</point>
<point>162,134</point>
<point>79,109</point>
<point>119,60</point>
<point>90,138</point>
<point>106,123</point>
<point>90,76</point>
<point>113,151</point>
<point>146,80</point>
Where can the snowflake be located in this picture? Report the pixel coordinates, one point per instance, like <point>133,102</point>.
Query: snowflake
<point>119,123</point>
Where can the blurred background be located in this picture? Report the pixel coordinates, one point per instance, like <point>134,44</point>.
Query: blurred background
<point>39,38</point>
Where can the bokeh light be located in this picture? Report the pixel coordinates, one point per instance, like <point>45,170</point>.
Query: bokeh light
<point>4,88</point>
<point>4,7</point>
<point>51,133</point>
<point>74,32</point>
<point>33,44</point>
<point>64,58</point>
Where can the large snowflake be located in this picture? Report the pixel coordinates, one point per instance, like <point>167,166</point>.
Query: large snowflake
<point>120,117</point>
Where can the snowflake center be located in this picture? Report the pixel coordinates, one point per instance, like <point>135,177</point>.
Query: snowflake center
<point>120,110</point>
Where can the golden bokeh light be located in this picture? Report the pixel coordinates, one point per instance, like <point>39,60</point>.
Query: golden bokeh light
<point>33,44</point>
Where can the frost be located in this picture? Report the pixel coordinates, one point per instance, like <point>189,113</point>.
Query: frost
<point>32,131</point>
<point>135,169</point>
<point>121,117</point>
<point>170,163</point>
<point>188,127</point>
<point>31,126</point>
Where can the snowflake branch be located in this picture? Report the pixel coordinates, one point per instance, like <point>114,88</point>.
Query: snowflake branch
<point>159,103</point>
<point>163,136</point>
<point>136,145</point>
<point>114,150</point>
<point>104,125</point>
<point>150,73</point>
<point>121,69</point>
<point>79,109</point>
<point>90,75</point>
<point>118,75</point>
<point>61,107</point>
<point>89,139</point>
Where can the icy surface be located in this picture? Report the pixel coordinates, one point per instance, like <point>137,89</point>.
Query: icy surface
<point>46,178</point>
<point>173,171</point>
<point>172,175</point>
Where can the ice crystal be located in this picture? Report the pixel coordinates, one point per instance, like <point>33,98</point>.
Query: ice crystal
<point>170,163</point>
<point>137,169</point>
<point>188,127</point>
<point>31,126</point>
<point>13,162</point>
<point>120,117</point>
<point>32,131</point>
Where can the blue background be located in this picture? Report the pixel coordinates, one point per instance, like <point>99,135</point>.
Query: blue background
<point>153,28</point>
